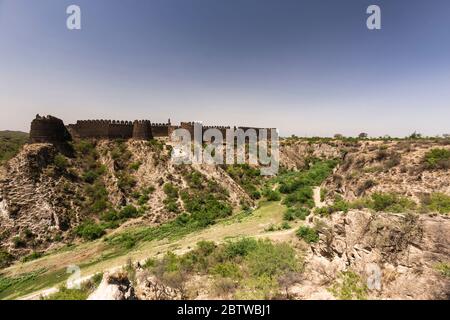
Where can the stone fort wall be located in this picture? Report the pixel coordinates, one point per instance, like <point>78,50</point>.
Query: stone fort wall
<point>51,129</point>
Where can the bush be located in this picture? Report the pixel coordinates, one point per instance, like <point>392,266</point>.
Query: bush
<point>296,213</point>
<point>390,202</point>
<point>60,162</point>
<point>240,248</point>
<point>227,269</point>
<point>444,269</point>
<point>303,196</point>
<point>18,242</point>
<point>32,256</point>
<point>339,205</point>
<point>170,190</point>
<point>437,159</point>
<point>5,259</point>
<point>436,202</point>
<point>269,259</point>
<point>89,230</point>
<point>128,212</point>
<point>125,182</point>
<point>135,166</point>
<point>90,176</point>
<point>309,235</point>
<point>272,195</point>
<point>349,286</point>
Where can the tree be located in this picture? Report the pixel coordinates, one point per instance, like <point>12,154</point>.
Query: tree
<point>363,135</point>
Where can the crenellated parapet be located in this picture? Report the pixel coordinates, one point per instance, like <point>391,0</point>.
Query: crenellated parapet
<point>142,130</point>
<point>51,129</point>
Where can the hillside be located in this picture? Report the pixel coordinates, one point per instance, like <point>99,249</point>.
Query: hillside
<point>336,208</point>
<point>10,144</point>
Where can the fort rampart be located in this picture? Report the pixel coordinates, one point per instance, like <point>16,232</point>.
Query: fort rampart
<point>51,129</point>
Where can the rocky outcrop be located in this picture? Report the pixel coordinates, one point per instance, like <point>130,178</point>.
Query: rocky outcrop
<point>148,287</point>
<point>115,286</point>
<point>402,250</point>
<point>32,209</point>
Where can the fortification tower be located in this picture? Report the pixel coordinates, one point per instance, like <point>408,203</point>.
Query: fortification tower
<point>48,130</point>
<point>142,130</point>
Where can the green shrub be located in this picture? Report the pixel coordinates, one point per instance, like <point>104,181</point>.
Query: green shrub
<point>302,196</point>
<point>89,230</point>
<point>240,248</point>
<point>309,235</point>
<point>349,286</point>
<point>19,242</point>
<point>444,269</point>
<point>32,256</point>
<point>269,259</point>
<point>436,202</point>
<point>437,159</point>
<point>143,199</point>
<point>390,202</point>
<point>90,176</point>
<point>314,176</point>
<point>170,190</point>
<point>60,162</point>
<point>125,182</point>
<point>272,195</point>
<point>135,166</point>
<point>285,225</point>
<point>296,213</point>
<point>5,259</point>
<point>339,205</point>
<point>128,212</point>
<point>99,205</point>
<point>227,269</point>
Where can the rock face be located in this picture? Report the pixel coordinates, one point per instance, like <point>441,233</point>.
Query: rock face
<point>149,288</point>
<point>401,250</point>
<point>114,287</point>
<point>30,203</point>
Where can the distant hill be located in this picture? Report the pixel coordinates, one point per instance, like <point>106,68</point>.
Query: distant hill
<point>10,144</point>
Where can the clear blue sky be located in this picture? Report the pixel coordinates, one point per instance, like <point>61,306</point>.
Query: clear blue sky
<point>307,67</point>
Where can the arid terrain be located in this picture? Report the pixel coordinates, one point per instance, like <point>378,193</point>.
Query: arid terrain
<point>344,219</point>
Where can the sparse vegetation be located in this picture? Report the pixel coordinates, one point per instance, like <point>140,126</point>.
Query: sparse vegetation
<point>349,286</point>
<point>437,159</point>
<point>444,269</point>
<point>436,202</point>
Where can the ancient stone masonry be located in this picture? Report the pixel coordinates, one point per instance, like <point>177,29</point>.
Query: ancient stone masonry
<point>48,129</point>
<point>52,130</point>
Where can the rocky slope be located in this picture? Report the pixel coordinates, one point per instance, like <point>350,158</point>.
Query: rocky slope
<point>44,195</point>
<point>398,167</point>
<point>397,255</point>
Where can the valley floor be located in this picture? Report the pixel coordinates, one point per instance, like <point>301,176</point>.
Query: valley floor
<point>49,271</point>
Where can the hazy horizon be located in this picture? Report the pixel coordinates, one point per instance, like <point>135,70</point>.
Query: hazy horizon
<point>309,68</point>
